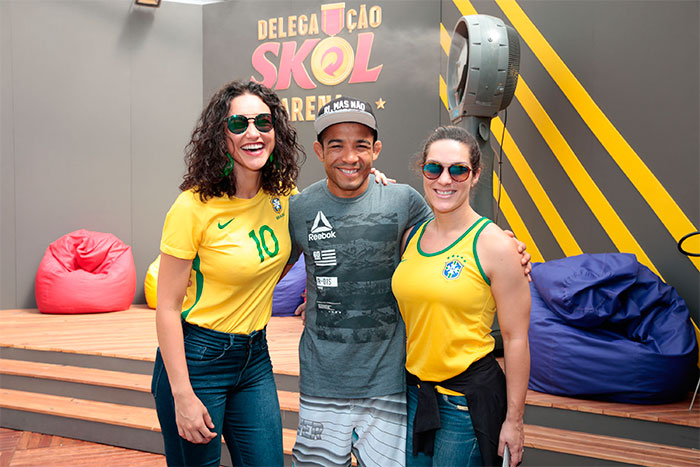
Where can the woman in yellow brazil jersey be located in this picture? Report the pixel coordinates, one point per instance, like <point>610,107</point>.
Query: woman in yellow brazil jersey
<point>456,272</point>
<point>227,236</point>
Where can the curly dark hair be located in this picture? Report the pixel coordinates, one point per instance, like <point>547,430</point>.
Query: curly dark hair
<point>454,133</point>
<point>205,154</point>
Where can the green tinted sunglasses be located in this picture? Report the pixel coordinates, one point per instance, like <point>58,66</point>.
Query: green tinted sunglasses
<point>458,172</point>
<point>238,124</point>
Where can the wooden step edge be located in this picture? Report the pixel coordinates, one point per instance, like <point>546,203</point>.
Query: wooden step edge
<point>609,448</point>
<point>74,374</point>
<point>289,437</point>
<point>549,439</point>
<point>62,350</point>
<point>630,446</point>
<point>652,413</point>
<point>101,412</point>
<point>289,401</point>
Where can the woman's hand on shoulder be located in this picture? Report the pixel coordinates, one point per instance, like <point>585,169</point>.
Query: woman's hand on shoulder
<point>380,177</point>
<point>524,255</point>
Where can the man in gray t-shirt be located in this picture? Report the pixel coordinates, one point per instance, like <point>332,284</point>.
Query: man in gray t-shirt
<point>352,351</point>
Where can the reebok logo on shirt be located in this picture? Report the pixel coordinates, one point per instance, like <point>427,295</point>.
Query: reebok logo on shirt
<point>321,228</point>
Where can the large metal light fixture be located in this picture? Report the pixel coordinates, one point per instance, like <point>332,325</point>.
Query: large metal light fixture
<point>482,72</point>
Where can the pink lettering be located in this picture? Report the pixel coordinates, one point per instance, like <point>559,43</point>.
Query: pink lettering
<point>360,73</point>
<point>263,66</point>
<point>292,64</point>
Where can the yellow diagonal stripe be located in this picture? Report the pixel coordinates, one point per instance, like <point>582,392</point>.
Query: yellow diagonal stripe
<point>445,39</point>
<point>516,223</point>
<point>591,194</point>
<point>653,192</point>
<point>507,206</point>
<point>539,196</point>
<point>443,92</point>
<point>465,7</point>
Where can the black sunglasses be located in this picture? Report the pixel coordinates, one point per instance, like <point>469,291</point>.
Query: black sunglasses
<point>238,124</point>
<point>458,172</point>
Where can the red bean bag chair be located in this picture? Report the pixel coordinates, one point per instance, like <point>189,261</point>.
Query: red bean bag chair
<point>85,272</point>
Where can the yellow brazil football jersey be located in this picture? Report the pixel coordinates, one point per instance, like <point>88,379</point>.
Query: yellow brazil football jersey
<point>445,300</point>
<point>238,247</point>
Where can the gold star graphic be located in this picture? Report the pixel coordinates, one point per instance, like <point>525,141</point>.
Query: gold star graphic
<point>380,103</point>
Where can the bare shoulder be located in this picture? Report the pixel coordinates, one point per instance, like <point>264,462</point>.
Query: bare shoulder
<point>496,250</point>
<point>493,240</point>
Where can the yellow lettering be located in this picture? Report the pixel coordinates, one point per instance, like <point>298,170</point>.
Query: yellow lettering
<point>297,105</point>
<point>350,20</point>
<point>362,20</point>
<point>292,26</point>
<point>310,107</point>
<point>303,25</point>
<point>313,25</point>
<point>273,28</point>
<point>304,108</point>
<point>280,24</point>
<point>375,16</point>
<point>262,29</point>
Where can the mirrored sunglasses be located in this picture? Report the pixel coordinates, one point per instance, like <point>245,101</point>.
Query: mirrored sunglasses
<point>458,172</point>
<point>238,124</point>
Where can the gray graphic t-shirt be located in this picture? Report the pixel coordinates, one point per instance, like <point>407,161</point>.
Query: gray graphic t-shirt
<point>354,341</point>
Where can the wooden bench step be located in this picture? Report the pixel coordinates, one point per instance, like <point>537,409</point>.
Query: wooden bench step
<point>74,374</point>
<point>104,412</point>
<point>131,381</point>
<point>536,437</point>
<point>101,412</point>
<point>609,448</point>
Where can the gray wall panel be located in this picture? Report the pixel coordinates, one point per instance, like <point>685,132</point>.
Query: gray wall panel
<point>166,86</point>
<point>72,141</point>
<point>105,95</point>
<point>639,62</point>
<point>7,165</point>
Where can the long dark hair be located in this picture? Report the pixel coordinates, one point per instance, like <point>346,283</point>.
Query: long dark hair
<point>205,154</point>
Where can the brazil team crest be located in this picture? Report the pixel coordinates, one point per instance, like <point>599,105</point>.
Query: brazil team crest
<point>453,267</point>
<point>276,204</point>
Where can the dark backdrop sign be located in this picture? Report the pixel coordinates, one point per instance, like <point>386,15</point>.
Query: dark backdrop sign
<point>310,52</point>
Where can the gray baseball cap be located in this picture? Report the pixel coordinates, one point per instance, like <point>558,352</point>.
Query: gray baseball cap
<point>344,110</point>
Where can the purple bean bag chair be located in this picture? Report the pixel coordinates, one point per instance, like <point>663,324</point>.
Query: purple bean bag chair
<point>287,295</point>
<point>605,327</point>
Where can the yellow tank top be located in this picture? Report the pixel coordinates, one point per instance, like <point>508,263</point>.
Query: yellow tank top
<point>445,300</point>
<point>238,247</point>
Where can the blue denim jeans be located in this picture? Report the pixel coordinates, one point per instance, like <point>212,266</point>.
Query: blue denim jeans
<point>455,442</point>
<point>232,375</point>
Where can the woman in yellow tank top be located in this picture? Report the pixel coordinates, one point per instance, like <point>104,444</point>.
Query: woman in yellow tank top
<point>456,273</point>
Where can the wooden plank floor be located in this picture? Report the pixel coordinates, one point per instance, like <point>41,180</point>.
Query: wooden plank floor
<point>22,448</point>
<point>126,334</point>
<point>131,334</point>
